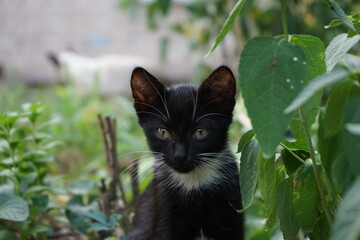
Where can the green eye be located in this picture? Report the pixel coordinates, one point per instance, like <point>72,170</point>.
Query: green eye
<point>200,133</point>
<point>163,133</point>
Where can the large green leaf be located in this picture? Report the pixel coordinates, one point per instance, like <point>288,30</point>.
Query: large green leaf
<point>337,48</point>
<point>272,72</point>
<point>227,25</point>
<point>314,86</point>
<point>305,197</point>
<point>267,185</point>
<point>352,141</point>
<point>13,208</point>
<point>347,219</point>
<point>248,172</point>
<point>287,216</point>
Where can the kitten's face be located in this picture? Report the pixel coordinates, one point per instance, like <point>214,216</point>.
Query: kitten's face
<point>183,124</point>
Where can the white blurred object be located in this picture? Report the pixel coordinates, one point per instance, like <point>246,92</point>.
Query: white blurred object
<point>110,74</point>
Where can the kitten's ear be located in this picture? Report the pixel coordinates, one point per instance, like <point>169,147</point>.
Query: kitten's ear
<point>219,87</point>
<point>146,89</point>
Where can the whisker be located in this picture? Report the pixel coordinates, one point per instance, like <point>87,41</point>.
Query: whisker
<point>162,99</point>
<point>152,114</point>
<point>195,104</point>
<point>148,105</point>
<point>212,114</point>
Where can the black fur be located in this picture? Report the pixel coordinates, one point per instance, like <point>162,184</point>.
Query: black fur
<point>168,210</point>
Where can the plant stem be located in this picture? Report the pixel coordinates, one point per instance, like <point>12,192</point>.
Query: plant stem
<point>316,171</point>
<point>284,19</point>
<point>292,153</point>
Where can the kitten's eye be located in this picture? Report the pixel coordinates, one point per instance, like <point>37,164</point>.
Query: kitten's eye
<point>163,133</point>
<point>200,133</point>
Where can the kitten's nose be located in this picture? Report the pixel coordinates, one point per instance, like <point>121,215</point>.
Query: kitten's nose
<point>180,153</point>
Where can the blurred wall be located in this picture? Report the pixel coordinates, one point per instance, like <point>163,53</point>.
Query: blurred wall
<point>29,29</point>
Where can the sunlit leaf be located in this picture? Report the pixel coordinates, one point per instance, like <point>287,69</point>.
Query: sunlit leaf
<point>337,48</point>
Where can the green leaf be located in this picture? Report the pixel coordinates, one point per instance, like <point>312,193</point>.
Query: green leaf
<point>353,128</point>
<point>81,187</point>
<point>321,229</point>
<point>339,95</point>
<point>351,141</point>
<point>347,218</point>
<point>76,213</point>
<point>333,23</point>
<point>35,190</point>
<point>246,137</point>
<point>227,25</point>
<point>287,216</point>
<point>267,185</point>
<point>291,162</point>
<point>13,208</point>
<point>248,172</point>
<point>352,62</point>
<point>314,51</point>
<point>7,235</point>
<point>164,6</point>
<point>340,14</point>
<point>337,48</point>
<point>314,86</point>
<point>305,197</point>
<point>40,202</point>
<point>272,72</point>
<point>341,173</point>
<point>98,216</point>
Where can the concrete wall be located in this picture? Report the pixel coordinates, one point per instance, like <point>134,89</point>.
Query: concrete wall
<point>29,29</point>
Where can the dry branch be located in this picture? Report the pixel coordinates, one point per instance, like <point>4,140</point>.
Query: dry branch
<point>110,200</point>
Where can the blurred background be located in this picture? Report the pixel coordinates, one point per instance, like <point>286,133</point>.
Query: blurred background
<point>75,58</point>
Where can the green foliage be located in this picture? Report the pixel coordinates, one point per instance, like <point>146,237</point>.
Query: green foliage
<point>25,152</point>
<point>227,25</point>
<point>282,81</point>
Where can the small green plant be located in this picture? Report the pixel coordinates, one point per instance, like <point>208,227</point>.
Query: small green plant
<point>300,170</point>
<point>25,152</point>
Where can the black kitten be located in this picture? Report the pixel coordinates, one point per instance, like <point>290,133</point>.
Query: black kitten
<point>195,191</point>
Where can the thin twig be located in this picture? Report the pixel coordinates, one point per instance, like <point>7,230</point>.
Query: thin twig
<point>316,171</point>
<point>110,198</point>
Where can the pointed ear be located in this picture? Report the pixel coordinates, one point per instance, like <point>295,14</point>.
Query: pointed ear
<point>145,88</point>
<point>220,87</point>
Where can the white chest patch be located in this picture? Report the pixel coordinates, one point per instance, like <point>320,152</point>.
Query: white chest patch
<point>202,176</point>
<point>202,236</point>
